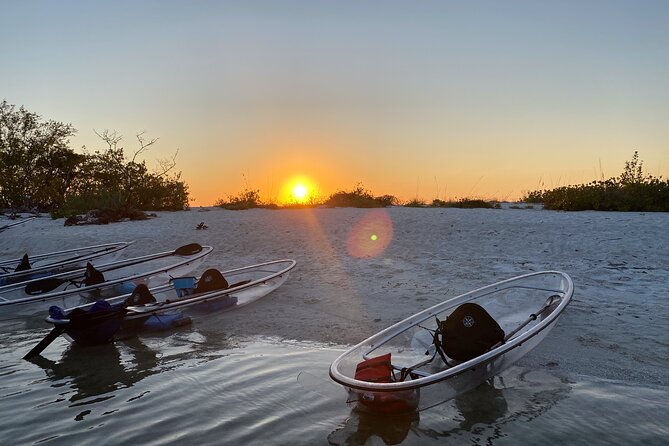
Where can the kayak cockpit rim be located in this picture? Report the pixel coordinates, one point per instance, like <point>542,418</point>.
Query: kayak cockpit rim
<point>565,293</point>
<point>217,294</point>
<point>185,261</point>
<point>157,307</point>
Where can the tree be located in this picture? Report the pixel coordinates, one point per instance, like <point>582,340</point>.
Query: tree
<point>108,180</point>
<point>36,164</point>
<point>39,170</point>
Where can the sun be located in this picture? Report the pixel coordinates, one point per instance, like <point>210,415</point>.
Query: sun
<point>300,192</point>
<point>299,189</point>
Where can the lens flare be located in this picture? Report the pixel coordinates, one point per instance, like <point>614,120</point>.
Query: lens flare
<point>371,235</point>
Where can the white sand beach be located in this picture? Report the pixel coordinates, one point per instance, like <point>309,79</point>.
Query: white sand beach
<point>348,286</point>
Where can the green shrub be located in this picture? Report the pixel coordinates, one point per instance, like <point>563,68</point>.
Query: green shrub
<point>359,198</point>
<point>415,203</point>
<point>466,203</point>
<point>247,199</point>
<point>631,191</point>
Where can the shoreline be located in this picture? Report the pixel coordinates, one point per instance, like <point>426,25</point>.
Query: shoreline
<point>615,326</point>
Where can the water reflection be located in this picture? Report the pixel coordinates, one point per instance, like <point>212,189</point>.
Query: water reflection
<point>484,404</point>
<point>362,426</point>
<point>95,373</point>
<point>99,370</point>
<point>478,415</point>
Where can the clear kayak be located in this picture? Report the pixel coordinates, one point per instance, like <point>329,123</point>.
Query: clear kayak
<point>35,266</point>
<point>445,350</point>
<point>104,281</point>
<point>162,307</point>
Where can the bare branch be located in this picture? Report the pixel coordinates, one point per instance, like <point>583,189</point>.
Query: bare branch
<point>167,165</point>
<point>111,138</point>
<point>143,144</point>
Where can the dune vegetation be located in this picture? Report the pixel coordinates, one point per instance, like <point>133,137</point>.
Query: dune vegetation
<point>39,172</point>
<point>357,197</point>
<point>632,190</point>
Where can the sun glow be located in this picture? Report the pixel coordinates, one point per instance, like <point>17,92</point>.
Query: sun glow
<point>298,190</point>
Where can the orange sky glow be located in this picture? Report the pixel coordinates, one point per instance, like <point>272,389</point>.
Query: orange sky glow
<point>421,100</point>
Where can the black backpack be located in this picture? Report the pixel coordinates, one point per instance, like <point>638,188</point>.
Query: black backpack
<point>469,332</point>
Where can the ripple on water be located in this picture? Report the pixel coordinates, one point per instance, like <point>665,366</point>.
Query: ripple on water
<point>204,388</point>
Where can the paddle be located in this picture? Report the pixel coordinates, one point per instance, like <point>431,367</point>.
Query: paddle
<point>44,343</point>
<point>43,285</point>
<point>549,302</point>
<point>188,250</point>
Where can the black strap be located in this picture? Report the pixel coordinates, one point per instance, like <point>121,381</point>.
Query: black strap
<point>437,344</point>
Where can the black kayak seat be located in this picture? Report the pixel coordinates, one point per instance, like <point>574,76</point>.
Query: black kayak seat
<point>24,264</point>
<point>42,286</point>
<point>93,276</point>
<point>211,280</point>
<point>469,332</point>
<point>140,296</point>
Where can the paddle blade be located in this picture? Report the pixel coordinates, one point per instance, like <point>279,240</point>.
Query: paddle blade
<point>44,343</point>
<point>43,286</point>
<point>188,250</point>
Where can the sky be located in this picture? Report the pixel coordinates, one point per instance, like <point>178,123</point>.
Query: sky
<point>417,99</point>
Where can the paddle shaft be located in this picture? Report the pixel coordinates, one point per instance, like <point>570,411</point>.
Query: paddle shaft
<point>44,343</point>
<point>532,317</point>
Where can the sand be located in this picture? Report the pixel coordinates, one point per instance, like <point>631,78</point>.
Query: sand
<point>361,270</point>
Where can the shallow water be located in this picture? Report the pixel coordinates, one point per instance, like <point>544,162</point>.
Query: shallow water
<point>199,385</point>
<point>600,377</point>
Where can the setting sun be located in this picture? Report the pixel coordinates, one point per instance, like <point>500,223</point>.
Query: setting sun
<point>300,192</point>
<point>298,189</point>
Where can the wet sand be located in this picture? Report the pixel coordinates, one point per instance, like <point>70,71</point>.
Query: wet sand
<point>348,284</point>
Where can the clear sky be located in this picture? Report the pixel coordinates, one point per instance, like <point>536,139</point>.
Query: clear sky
<point>418,99</point>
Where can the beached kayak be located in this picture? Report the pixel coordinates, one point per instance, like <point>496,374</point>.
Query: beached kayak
<point>40,265</point>
<point>89,284</point>
<point>163,307</point>
<point>453,346</point>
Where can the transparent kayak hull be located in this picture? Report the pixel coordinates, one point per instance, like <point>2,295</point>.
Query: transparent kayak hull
<point>56,262</point>
<point>248,284</point>
<point>255,282</point>
<point>120,277</point>
<point>512,303</point>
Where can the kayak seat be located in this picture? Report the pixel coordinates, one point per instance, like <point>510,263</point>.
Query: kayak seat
<point>468,332</point>
<point>211,280</point>
<point>93,276</point>
<point>24,264</point>
<point>140,296</point>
